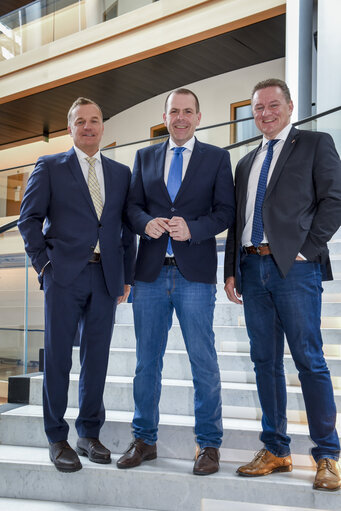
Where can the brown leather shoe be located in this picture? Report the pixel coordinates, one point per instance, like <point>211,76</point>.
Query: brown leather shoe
<point>265,463</point>
<point>65,459</point>
<point>207,461</point>
<point>94,450</point>
<point>137,452</point>
<point>328,475</point>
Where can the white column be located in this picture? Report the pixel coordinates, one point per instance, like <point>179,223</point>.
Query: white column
<point>329,65</point>
<point>299,41</point>
<point>93,12</point>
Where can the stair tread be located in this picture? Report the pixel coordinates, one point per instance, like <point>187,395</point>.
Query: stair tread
<point>46,505</point>
<point>128,380</point>
<point>165,419</point>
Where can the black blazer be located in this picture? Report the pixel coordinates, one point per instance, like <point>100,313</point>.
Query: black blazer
<point>205,200</point>
<point>302,205</point>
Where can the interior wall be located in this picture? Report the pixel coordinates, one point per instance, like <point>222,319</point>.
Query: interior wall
<point>215,96</point>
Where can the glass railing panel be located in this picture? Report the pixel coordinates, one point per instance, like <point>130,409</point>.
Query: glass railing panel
<point>21,306</point>
<point>44,21</point>
<point>330,123</point>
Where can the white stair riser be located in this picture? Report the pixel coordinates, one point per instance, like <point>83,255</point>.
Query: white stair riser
<point>175,399</point>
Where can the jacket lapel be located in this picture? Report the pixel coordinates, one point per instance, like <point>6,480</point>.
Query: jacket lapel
<point>160,156</point>
<point>243,179</point>
<point>107,187</point>
<point>288,147</point>
<point>193,165</point>
<point>73,164</point>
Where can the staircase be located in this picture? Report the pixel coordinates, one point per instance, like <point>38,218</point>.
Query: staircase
<point>167,483</point>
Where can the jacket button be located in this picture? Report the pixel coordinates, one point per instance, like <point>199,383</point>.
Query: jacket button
<point>172,209</point>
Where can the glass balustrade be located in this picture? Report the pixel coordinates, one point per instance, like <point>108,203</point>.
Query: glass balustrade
<point>21,301</point>
<point>44,21</point>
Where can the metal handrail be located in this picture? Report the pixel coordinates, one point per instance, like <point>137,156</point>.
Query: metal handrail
<point>7,227</point>
<point>227,123</point>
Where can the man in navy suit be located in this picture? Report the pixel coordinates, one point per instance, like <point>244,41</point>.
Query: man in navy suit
<point>176,269</point>
<point>71,222</point>
<point>288,208</point>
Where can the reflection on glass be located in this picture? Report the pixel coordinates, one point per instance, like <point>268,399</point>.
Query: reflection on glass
<point>44,21</point>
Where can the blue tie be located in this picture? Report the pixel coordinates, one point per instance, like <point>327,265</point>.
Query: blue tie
<point>257,225</point>
<point>174,180</point>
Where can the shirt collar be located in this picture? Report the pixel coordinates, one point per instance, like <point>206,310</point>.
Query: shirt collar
<point>83,156</point>
<point>282,135</point>
<point>188,145</point>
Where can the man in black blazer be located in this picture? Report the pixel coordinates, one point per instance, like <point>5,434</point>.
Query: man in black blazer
<point>176,269</point>
<point>288,194</point>
<point>71,220</point>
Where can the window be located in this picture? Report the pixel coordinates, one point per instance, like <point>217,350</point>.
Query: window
<point>111,11</point>
<point>243,130</point>
<point>158,131</point>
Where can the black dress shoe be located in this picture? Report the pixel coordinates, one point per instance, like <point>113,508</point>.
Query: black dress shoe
<point>137,452</point>
<point>207,462</point>
<point>65,459</point>
<point>93,449</point>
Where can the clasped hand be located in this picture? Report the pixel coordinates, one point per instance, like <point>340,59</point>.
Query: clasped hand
<point>176,227</point>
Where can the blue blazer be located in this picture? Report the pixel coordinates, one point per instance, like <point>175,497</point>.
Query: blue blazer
<point>302,204</point>
<point>205,200</point>
<point>58,221</point>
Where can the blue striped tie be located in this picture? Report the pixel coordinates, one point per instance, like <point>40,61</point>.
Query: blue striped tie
<point>174,180</point>
<point>257,225</point>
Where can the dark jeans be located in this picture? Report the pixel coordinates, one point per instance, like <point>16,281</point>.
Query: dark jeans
<point>275,306</point>
<point>153,305</point>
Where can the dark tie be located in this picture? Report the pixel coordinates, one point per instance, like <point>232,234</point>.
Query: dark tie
<point>257,225</point>
<point>174,180</point>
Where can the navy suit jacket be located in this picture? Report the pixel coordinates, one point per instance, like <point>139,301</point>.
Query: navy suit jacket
<point>302,204</point>
<point>205,200</point>
<point>58,221</point>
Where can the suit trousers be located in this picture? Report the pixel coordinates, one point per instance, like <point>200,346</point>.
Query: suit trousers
<point>275,306</point>
<point>87,305</point>
<point>153,306</point>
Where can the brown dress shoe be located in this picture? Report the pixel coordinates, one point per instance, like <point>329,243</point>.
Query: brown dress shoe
<point>207,461</point>
<point>137,452</point>
<point>265,463</point>
<point>328,475</point>
<point>64,458</point>
<point>93,449</point>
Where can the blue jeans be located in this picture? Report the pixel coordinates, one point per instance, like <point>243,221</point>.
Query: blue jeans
<point>153,305</point>
<point>275,306</point>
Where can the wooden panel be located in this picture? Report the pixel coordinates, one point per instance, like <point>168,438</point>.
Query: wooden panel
<point>118,89</point>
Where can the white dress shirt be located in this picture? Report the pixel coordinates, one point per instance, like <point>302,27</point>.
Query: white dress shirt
<point>186,155</point>
<point>98,168</point>
<point>254,178</point>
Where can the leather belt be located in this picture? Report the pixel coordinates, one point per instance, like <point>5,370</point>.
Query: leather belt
<point>170,261</point>
<point>95,258</point>
<point>261,250</point>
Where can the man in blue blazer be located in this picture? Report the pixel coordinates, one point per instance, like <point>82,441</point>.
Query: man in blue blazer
<point>181,197</point>
<point>71,221</point>
<point>288,208</point>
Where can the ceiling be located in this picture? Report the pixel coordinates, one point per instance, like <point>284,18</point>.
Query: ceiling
<point>7,6</point>
<point>121,88</point>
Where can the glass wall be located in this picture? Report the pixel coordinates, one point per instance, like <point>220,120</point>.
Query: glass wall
<point>44,21</point>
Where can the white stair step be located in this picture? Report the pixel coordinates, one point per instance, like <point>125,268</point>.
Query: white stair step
<point>162,484</point>
<point>224,505</point>
<point>24,426</point>
<point>39,505</point>
<point>176,397</point>
<point>234,366</point>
